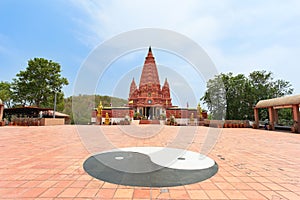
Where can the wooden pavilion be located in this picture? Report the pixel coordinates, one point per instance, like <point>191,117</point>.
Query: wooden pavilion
<point>274,104</point>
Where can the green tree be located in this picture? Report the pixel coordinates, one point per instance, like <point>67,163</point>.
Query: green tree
<point>38,83</point>
<point>285,116</point>
<point>263,86</point>
<point>242,93</point>
<point>5,93</point>
<point>215,97</point>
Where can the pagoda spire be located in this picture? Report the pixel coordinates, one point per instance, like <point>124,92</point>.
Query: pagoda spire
<point>133,87</point>
<point>166,84</point>
<point>149,72</point>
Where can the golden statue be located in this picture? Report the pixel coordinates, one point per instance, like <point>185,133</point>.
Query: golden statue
<point>199,109</point>
<point>192,120</point>
<point>106,119</point>
<point>192,117</point>
<point>99,109</point>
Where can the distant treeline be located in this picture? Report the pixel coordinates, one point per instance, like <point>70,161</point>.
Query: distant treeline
<point>80,107</point>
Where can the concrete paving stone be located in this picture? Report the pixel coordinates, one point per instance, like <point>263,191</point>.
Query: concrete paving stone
<point>52,192</point>
<point>141,193</point>
<point>106,193</point>
<point>80,184</point>
<point>109,185</point>
<point>179,194</point>
<point>234,194</point>
<point>31,184</point>
<point>258,186</point>
<point>88,193</point>
<point>63,183</point>
<point>253,195</point>
<point>289,195</point>
<point>70,192</point>
<point>272,195</point>
<point>225,186</point>
<point>94,184</point>
<point>216,194</point>
<point>274,187</point>
<point>13,184</point>
<point>33,192</point>
<point>192,187</point>
<point>197,194</point>
<point>124,193</point>
<point>12,192</point>
<point>241,186</point>
<point>208,186</point>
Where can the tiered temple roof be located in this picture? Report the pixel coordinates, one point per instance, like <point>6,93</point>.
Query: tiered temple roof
<point>149,87</point>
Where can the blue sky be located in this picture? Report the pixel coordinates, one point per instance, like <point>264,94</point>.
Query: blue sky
<point>239,36</point>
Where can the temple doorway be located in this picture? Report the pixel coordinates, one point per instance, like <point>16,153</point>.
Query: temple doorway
<point>148,112</point>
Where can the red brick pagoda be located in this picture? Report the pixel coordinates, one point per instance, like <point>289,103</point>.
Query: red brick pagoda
<point>150,99</point>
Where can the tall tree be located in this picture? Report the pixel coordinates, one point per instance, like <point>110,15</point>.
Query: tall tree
<point>263,86</point>
<point>215,97</point>
<point>38,83</point>
<point>242,93</point>
<point>5,93</point>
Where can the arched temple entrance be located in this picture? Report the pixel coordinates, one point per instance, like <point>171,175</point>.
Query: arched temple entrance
<point>274,104</point>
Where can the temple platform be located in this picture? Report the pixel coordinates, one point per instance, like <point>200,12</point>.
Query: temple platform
<point>149,121</point>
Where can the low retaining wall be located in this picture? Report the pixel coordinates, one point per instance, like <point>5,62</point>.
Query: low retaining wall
<point>52,121</point>
<point>145,121</point>
<point>226,123</point>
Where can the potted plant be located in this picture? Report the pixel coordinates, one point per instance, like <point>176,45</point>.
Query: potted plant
<point>172,120</point>
<point>254,125</point>
<point>294,127</point>
<point>220,125</point>
<point>136,116</point>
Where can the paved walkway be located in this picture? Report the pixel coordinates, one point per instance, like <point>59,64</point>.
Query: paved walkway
<point>46,162</point>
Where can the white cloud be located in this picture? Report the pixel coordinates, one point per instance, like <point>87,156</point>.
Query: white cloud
<point>239,36</point>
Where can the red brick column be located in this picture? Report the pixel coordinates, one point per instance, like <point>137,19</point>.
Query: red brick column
<point>276,116</point>
<point>271,118</point>
<point>1,111</point>
<point>256,117</point>
<point>296,117</point>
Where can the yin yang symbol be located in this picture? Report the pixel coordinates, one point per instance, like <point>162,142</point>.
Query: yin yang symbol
<point>150,166</point>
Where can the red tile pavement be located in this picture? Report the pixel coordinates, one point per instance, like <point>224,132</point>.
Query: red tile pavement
<point>46,163</point>
<point>106,193</point>
<point>124,193</point>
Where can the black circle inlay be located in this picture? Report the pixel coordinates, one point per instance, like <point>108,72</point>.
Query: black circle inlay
<point>119,167</point>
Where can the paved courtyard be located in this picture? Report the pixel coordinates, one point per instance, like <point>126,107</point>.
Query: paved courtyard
<point>47,162</point>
